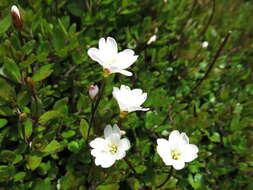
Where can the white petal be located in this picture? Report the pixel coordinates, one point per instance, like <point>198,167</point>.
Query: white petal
<point>116,129</point>
<point>102,44</point>
<point>112,44</point>
<point>107,131</point>
<point>178,165</point>
<point>185,138</point>
<point>95,55</point>
<point>125,72</point>
<point>124,144</point>
<point>105,160</point>
<point>137,92</point>
<point>114,138</point>
<point>142,98</point>
<point>120,154</point>
<point>189,152</point>
<point>174,136</point>
<point>125,59</point>
<point>163,149</point>
<point>97,143</point>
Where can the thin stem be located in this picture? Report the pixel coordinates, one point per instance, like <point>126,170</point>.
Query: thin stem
<point>167,179</point>
<point>95,105</point>
<point>91,119</point>
<point>133,170</point>
<point>210,19</point>
<point>213,61</point>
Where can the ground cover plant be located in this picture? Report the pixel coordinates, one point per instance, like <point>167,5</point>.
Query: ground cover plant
<point>145,94</point>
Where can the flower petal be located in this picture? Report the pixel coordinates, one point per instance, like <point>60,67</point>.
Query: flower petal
<point>102,44</point>
<point>108,131</point>
<point>189,152</point>
<point>97,143</point>
<point>163,149</point>
<point>116,129</point>
<point>105,160</point>
<point>95,55</point>
<point>114,138</point>
<point>125,59</point>
<point>185,138</point>
<point>178,165</point>
<point>120,154</point>
<point>124,144</point>
<point>112,44</point>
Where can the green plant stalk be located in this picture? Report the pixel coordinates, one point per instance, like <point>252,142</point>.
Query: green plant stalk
<point>129,163</point>
<point>210,19</point>
<point>213,61</point>
<point>167,179</point>
<point>95,105</point>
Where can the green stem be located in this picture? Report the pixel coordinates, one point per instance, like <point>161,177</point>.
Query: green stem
<point>209,21</point>
<point>213,61</point>
<point>95,105</point>
<point>129,163</point>
<point>167,179</point>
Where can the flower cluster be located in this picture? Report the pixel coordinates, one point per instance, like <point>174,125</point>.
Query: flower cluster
<point>175,151</point>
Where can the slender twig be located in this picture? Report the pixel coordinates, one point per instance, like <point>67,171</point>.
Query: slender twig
<point>167,179</point>
<point>95,105</point>
<point>133,170</point>
<point>210,20</point>
<point>91,119</point>
<point>213,61</point>
<point>188,16</point>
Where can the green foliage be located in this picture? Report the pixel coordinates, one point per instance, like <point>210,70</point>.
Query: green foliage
<point>45,111</point>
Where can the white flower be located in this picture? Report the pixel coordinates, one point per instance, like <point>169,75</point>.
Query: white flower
<point>177,150</point>
<point>205,44</point>
<point>129,100</point>
<point>152,39</point>
<point>112,61</point>
<point>109,149</point>
<point>15,10</point>
<point>93,91</point>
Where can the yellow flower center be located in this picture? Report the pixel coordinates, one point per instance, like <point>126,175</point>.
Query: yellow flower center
<point>111,62</point>
<point>175,155</point>
<point>113,148</point>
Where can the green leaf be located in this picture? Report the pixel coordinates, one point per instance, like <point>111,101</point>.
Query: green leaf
<point>42,184</point>
<point>33,161</point>
<point>7,156</point>
<point>5,23</point>
<point>84,126</point>
<point>3,122</point>
<point>68,134</point>
<point>19,176</point>
<point>52,147</point>
<point>29,46</point>
<point>12,69</point>
<point>74,146</point>
<point>43,72</point>
<point>28,128</point>
<point>50,115</point>
<point>6,172</point>
<point>7,93</point>
<point>215,137</point>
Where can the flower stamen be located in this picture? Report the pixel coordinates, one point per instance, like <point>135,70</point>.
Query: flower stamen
<point>175,155</point>
<point>113,148</point>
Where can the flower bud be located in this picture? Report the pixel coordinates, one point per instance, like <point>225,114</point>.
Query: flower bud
<point>152,39</point>
<point>16,18</point>
<point>23,116</point>
<point>205,44</point>
<point>30,82</point>
<point>93,91</point>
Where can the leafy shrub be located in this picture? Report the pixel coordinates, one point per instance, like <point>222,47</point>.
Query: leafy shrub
<point>206,92</point>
